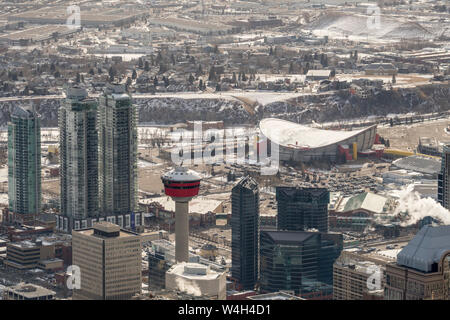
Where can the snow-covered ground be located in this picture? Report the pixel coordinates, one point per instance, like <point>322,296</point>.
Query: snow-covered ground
<point>4,174</point>
<point>363,27</point>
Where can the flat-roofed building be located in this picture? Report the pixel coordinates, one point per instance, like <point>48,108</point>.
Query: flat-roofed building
<point>275,296</point>
<point>299,261</point>
<point>22,255</point>
<point>28,291</point>
<point>27,254</point>
<point>110,262</point>
<point>197,279</point>
<point>313,75</point>
<point>356,280</point>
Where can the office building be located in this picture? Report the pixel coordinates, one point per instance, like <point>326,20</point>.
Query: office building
<point>28,291</point>
<point>357,280</point>
<point>422,270</point>
<point>31,254</point>
<point>444,178</point>
<point>299,261</point>
<point>24,165</point>
<point>78,136</point>
<point>117,120</point>
<point>300,209</point>
<point>157,268</point>
<point>161,257</point>
<point>110,262</point>
<point>245,232</point>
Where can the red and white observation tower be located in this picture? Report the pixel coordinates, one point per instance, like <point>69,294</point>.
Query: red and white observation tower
<point>181,184</point>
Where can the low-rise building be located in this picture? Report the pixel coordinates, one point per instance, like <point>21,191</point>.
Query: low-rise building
<point>197,279</point>
<point>380,69</point>
<point>28,291</point>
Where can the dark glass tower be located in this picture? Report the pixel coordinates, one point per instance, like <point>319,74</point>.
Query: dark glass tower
<point>302,208</point>
<point>298,261</point>
<point>245,232</point>
<point>443,178</point>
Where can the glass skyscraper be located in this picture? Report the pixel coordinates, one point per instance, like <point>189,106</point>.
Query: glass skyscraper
<point>78,160</point>
<point>117,119</point>
<point>245,232</point>
<point>298,261</point>
<point>302,208</point>
<point>24,164</point>
<point>443,178</point>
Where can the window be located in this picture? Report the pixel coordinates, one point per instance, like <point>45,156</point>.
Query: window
<point>137,219</point>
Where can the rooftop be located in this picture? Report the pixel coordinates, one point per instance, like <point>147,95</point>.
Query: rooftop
<point>275,296</point>
<point>106,226</point>
<point>181,174</point>
<point>426,248</point>
<point>366,200</point>
<point>104,229</point>
<point>30,291</point>
<point>289,237</point>
<point>419,163</point>
<point>293,135</point>
<point>194,271</point>
<point>199,205</point>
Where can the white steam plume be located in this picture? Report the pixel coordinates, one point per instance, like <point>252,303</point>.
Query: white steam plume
<point>418,208</point>
<point>189,287</point>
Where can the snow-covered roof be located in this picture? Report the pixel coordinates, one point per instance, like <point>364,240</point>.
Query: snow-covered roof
<point>22,112</point>
<point>293,135</point>
<point>199,205</point>
<point>181,174</point>
<point>367,201</point>
<point>426,248</point>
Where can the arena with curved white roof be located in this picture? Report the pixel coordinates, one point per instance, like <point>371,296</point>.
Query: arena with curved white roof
<point>303,143</point>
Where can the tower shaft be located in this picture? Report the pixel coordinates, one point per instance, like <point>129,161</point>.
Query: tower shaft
<point>181,230</point>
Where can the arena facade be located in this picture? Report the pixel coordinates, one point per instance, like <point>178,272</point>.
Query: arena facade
<point>305,144</point>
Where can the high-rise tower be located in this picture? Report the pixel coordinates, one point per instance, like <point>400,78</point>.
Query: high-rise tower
<point>300,209</point>
<point>24,165</point>
<point>182,185</point>
<point>78,160</point>
<point>117,120</point>
<point>444,179</point>
<point>245,232</point>
<point>110,260</point>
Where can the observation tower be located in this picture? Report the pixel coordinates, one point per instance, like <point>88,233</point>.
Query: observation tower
<point>181,184</point>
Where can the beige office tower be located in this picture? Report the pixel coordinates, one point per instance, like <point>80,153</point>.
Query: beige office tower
<point>109,260</point>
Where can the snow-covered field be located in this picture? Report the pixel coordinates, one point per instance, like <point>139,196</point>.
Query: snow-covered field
<point>362,27</point>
